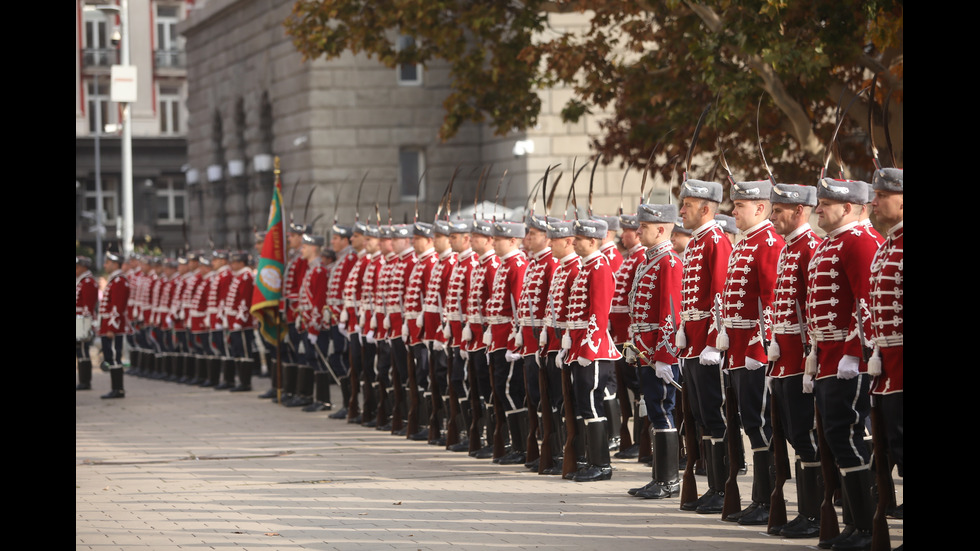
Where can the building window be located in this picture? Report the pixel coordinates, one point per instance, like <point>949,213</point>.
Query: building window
<point>168,49</point>
<point>98,51</point>
<point>98,98</point>
<point>171,198</point>
<point>409,74</point>
<point>109,198</point>
<point>169,110</point>
<point>411,167</point>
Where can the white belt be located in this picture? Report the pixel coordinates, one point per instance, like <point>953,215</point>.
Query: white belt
<point>497,320</point>
<point>828,335</point>
<point>740,323</point>
<point>888,341</point>
<point>694,315</point>
<point>576,325</point>
<point>642,327</point>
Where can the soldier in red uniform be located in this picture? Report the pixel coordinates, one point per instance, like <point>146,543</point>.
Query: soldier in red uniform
<point>705,269</point>
<point>366,316</point>
<point>627,378</point>
<point>350,326</point>
<point>531,309</point>
<point>555,321</point>
<point>608,245</point>
<point>86,302</point>
<point>113,323</point>
<point>313,381</point>
<point>337,272</point>
<point>163,319</point>
<point>506,365</point>
<point>838,284</point>
<point>241,323</point>
<point>198,315</point>
<point>293,275</point>
<point>432,333</point>
<point>222,365</point>
<point>186,338</point>
<point>402,265</point>
<point>588,348</point>
<point>481,283</point>
<point>791,207</point>
<point>887,305</point>
<point>455,312</point>
<point>746,330</point>
<point>415,297</point>
<point>383,364</point>
<point>654,296</point>
<point>679,238</point>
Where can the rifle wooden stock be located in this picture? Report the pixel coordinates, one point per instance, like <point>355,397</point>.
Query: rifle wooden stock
<point>829,528</point>
<point>880,540</point>
<point>354,375</point>
<point>780,455</point>
<point>733,499</point>
<point>625,406</point>
<point>398,390</point>
<point>499,449</point>
<point>569,459</point>
<point>546,458</point>
<point>452,427</point>
<point>476,408</point>
<point>382,419</point>
<point>532,452</point>
<point>412,389</point>
<point>436,400</point>
<point>689,486</point>
<point>645,446</point>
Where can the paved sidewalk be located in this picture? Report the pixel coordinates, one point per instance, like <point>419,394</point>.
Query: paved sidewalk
<point>179,467</point>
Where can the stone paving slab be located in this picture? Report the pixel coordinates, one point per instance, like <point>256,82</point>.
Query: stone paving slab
<point>178,467</point>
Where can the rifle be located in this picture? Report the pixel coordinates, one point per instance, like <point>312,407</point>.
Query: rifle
<point>546,459</point>
<point>452,426</point>
<point>689,487</point>
<point>569,458</point>
<point>625,407</point>
<point>413,396</point>
<point>831,484</point>
<point>398,392</point>
<point>880,540</point>
<point>780,455</point>
<point>531,453</point>
<point>499,449</point>
<point>733,500</point>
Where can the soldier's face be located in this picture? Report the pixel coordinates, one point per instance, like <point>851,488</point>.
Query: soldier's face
<point>782,218</point>
<point>584,246</point>
<point>459,241</point>
<point>831,214</point>
<point>888,207</point>
<point>504,245</point>
<point>337,243</point>
<point>649,234</point>
<point>295,240</point>
<point>440,242</point>
<point>679,241</point>
<point>535,240</point>
<point>629,238</point>
<point>748,213</point>
<point>421,244</point>
<point>692,212</point>
<point>372,244</point>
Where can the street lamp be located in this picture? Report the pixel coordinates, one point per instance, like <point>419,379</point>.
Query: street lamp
<point>122,10</point>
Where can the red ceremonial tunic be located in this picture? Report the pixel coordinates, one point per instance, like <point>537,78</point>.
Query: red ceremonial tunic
<point>887,311</point>
<point>619,312</point>
<point>705,268</point>
<point>292,281</point>
<point>352,292</point>
<point>588,311</point>
<point>612,254</point>
<point>436,297</point>
<point>654,303</point>
<point>313,298</point>
<point>86,295</point>
<point>561,286</point>
<point>505,293</point>
<point>382,287</point>
<point>415,288</point>
<point>217,293</point>
<point>337,276</point>
<point>838,279</point>
<point>481,284</point>
<point>533,306</point>
<point>395,301</point>
<point>751,280</point>
<point>372,287</point>
<point>455,306</point>
<point>112,307</point>
<point>239,300</point>
<point>199,304</point>
<point>789,294</point>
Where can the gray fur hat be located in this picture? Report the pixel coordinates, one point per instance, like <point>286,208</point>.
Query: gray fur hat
<point>792,194</point>
<point>372,231</point>
<point>315,240</point>
<point>629,222</point>
<point>401,230</point>
<point>482,227</point>
<point>657,214</point>
<point>460,226</point>
<point>509,229</point>
<point>700,189</point>
<point>422,229</point>
<point>386,232</point>
<point>679,228</point>
<point>726,222</point>
<point>342,231</point>
<point>889,179</point>
<point>843,191</point>
<point>594,228</point>
<point>612,222</point>
<point>539,222</point>
<point>360,227</point>
<point>755,190</point>
<point>442,227</point>
<point>558,230</point>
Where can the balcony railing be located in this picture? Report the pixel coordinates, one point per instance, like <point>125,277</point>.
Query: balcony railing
<point>100,57</point>
<point>174,59</point>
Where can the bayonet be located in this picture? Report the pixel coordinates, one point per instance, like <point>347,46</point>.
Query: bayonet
<point>595,165</point>
<point>833,137</point>
<point>758,135</point>
<point>694,141</point>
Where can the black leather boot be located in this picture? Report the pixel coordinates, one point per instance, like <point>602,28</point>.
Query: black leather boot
<point>597,453</point>
<point>517,422</point>
<point>712,502</point>
<point>809,493</point>
<point>321,392</point>
<point>614,421</point>
<point>463,427</point>
<point>369,416</point>
<point>116,379</point>
<point>228,366</point>
<point>245,368</point>
<point>632,452</point>
<point>666,483</point>
<point>757,513</point>
<point>857,489</point>
<point>274,379</point>
<point>84,374</point>
<point>304,388</point>
<point>557,443</point>
<point>290,373</point>
<point>488,422</point>
<point>345,393</point>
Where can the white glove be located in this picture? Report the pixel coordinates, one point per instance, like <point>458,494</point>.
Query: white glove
<point>664,371</point>
<point>357,329</point>
<point>405,331</point>
<point>710,356</point>
<point>752,364</point>
<point>467,333</point>
<point>583,362</point>
<point>370,337</point>
<point>464,354</point>
<point>447,331</point>
<point>543,339</point>
<point>848,368</point>
<point>807,384</point>
<point>512,356</point>
<point>436,345</point>
<point>487,337</point>
<point>560,358</point>
<point>344,316</point>
<point>519,338</point>
<point>218,327</point>
<point>343,331</point>
<point>630,355</point>
<point>236,327</point>
<point>312,338</point>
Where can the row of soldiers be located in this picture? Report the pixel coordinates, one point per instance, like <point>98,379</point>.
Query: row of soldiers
<point>522,342</point>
